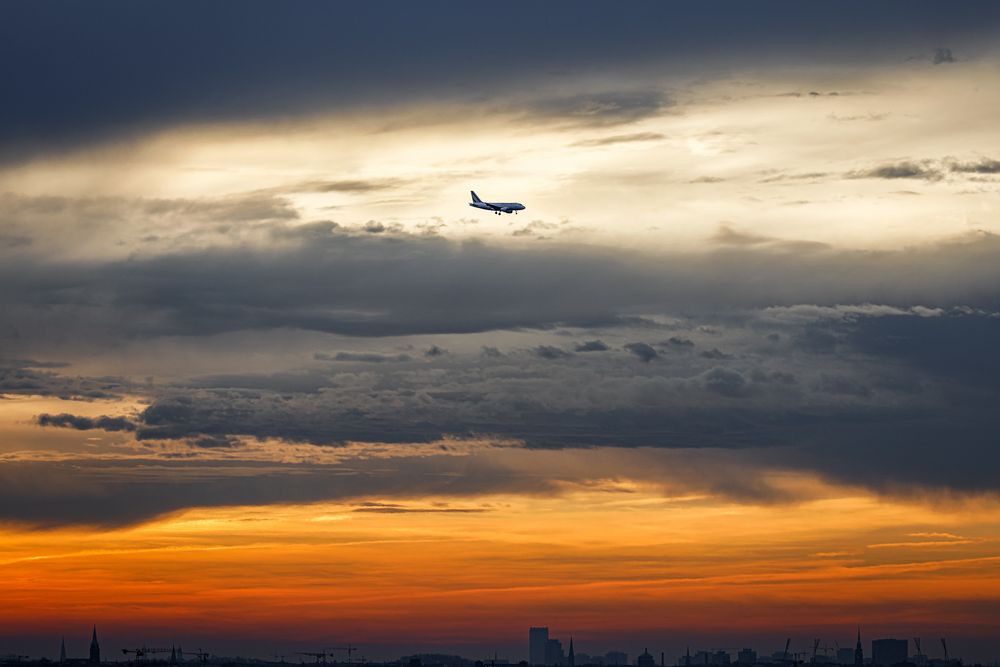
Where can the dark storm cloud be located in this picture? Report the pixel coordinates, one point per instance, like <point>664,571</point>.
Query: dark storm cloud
<point>961,349</point>
<point>644,351</point>
<point>300,382</point>
<point>676,341</point>
<point>27,377</point>
<point>324,278</point>
<point>113,494</point>
<point>591,346</point>
<point>79,423</point>
<point>874,410</point>
<point>552,352</point>
<point>66,82</point>
<point>725,382</point>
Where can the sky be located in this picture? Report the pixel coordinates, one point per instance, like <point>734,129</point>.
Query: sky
<point>268,383</point>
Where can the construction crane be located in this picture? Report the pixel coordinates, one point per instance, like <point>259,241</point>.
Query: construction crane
<point>784,655</point>
<point>202,656</point>
<point>143,651</point>
<point>350,649</point>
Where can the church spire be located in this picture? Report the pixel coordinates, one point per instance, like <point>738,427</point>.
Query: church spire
<point>571,658</point>
<point>95,648</point>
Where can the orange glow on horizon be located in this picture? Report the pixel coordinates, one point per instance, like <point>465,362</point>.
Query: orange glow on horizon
<point>440,569</point>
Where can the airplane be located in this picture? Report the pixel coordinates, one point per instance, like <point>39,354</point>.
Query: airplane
<point>496,207</point>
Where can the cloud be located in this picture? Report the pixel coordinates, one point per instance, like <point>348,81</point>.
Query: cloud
<point>79,423</point>
<point>310,277</point>
<point>644,351</point>
<point>678,342</point>
<point>591,346</point>
<point>942,56</point>
<point>29,377</point>
<point>620,139</point>
<point>982,166</point>
<point>898,170</point>
<point>345,185</point>
<point>552,352</point>
<point>726,382</point>
<point>363,357</point>
<point>870,409</point>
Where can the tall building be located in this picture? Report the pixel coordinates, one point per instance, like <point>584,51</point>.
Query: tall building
<point>538,638</point>
<point>554,653</point>
<point>95,649</point>
<point>859,654</point>
<point>645,660</point>
<point>571,658</point>
<point>62,650</point>
<point>888,652</point>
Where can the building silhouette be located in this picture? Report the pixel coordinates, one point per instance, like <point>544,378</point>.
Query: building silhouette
<point>571,658</point>
<point>554,652</point>
<point>62,650</point>
<point>859,654</point>
<point>538,639</point>
<point>95,649</point>
<point>645,659</point>
<point>888,652</point>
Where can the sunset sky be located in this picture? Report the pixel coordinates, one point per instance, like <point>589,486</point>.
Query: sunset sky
<point>268,384</point>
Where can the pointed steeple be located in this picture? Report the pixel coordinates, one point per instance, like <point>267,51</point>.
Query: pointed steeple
<point>95,648</point>
<point>859,654</point>
<point>62,650</point>
<point>571,658</point>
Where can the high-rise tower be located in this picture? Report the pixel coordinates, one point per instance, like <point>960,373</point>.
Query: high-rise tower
<point>571,658</point>
<point>62,650</point>
<point>538,639</point>
<point>859,654</point>
<point>95,649</point>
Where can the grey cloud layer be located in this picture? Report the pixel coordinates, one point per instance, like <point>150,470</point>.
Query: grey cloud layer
<point>67,83</point>
<point>325,278</point>
<point>893,399</point>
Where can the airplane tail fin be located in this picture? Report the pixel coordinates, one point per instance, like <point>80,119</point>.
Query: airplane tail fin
<point>475,198</point>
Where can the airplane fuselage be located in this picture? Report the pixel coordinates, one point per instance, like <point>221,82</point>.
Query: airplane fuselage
<point>497,207</point>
